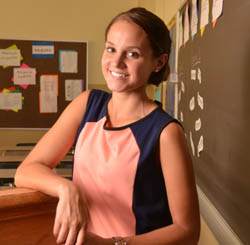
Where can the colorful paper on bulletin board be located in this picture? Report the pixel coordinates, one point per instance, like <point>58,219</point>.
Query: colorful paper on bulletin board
<point>68,61</point>
<point>49,83</point>
<point>43,50</point>
<point>18,56</point>
<point>12,90</point>
<point>24,86</point>
<point>48,94</point>
<point>204,15</point>
<point>48,102</point>
<point>217,10</point>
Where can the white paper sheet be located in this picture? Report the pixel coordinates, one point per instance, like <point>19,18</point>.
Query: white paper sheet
<point>204,13</point>
<point>10,101</point>
<point>192,143</point>
<point>183,87</point>
<point>217,9</point>
<point>10,57</point>
<point>179,96</point>
<point>181,116</point>
<point>73,88</point>
<point>48,102</point>
<point>199,75</point>
<point>186,25</point>
<point>200,146</point>
<point>68,61</point>
<point>192,104</point>
<point>193,74</point>
<point>24,76</point>
<point>198,124</point>
<point>200,101</point>
<point>48,83</point>
<point>194,18</point>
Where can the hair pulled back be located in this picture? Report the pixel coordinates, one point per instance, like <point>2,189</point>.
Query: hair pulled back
<point>157,34</point>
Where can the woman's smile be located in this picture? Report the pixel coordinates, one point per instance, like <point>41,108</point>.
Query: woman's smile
<point>118,74</point>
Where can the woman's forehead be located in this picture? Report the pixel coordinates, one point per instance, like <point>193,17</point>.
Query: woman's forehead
<point>127,31</point>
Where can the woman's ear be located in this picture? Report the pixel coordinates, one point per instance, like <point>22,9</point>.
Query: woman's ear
<point>161,61</point>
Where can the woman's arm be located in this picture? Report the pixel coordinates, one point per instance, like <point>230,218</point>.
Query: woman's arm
<point>182,196</point>
<point>36,172</point>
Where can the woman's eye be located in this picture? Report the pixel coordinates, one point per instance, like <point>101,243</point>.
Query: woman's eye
<point>110,50</point>
<point>133,54</point>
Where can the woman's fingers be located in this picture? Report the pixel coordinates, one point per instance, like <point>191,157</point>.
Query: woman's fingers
<point>57,224</point>
<point>71,217</point>
<point>63,234</point>
<point>80,237</point>
<point>68,230</point>
<point>72,236</point>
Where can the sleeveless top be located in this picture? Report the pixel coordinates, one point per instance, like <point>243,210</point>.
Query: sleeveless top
<point>118,172</point>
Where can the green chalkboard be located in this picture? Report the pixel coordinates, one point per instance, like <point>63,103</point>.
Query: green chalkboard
<point>222,57</point>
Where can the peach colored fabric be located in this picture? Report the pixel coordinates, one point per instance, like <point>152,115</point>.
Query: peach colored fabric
<point>105,165</point>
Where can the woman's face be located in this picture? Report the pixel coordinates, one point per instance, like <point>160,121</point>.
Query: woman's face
<point>127,61</point>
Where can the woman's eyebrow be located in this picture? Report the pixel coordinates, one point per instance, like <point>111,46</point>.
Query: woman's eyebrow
<point>128,47</point>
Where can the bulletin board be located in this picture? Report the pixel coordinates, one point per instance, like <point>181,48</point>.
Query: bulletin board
<point>214,106</point>
<point>43,64</point>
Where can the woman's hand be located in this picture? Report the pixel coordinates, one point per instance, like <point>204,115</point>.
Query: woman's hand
<point>71,216</point>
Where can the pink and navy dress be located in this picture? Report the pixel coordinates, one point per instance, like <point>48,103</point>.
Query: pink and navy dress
<point>119,173</point>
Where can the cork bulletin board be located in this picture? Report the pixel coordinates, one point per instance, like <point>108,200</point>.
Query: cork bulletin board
<point>38,79</point>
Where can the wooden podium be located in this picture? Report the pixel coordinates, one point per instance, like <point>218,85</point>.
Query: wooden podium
<point>26,217</point>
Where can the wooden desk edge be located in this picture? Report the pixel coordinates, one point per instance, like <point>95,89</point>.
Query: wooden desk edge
<point>20,197</point>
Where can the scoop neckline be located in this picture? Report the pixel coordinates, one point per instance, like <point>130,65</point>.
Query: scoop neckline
<point>158,106</point>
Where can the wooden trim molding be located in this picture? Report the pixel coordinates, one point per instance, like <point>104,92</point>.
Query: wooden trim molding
<point>26,217</point>
<point>217,224</point>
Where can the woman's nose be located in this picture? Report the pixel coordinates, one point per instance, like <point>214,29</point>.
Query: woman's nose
<point>118,60</point>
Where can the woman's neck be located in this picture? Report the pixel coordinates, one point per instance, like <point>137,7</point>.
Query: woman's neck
<point>126,108</point>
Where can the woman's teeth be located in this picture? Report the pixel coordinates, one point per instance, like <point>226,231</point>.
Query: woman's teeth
<point>118,74</point>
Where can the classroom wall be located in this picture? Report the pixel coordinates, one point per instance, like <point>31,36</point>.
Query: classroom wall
<point>78,20</point>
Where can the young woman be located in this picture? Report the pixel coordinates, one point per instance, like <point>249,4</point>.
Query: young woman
<point>133,180</point>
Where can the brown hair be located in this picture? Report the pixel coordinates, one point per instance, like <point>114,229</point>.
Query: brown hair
<point>157,33</point>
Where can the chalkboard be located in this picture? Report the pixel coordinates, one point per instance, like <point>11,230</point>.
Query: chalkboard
<point>64,61</point>
<point>215,68</point>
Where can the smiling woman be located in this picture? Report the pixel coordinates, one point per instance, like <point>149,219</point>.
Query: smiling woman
<point>133,179</point>
<point>128,61</point>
